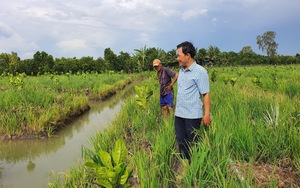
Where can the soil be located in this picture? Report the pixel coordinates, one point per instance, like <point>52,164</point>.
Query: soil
<point>284,174</point>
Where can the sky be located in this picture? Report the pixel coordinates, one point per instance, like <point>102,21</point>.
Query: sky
<point>78,28</point>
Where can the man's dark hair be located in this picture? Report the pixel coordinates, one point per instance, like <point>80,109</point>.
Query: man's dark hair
<point>187,48</point>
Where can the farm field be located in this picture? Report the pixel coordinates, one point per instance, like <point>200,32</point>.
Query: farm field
<point>32,107</point>
<point>254,140</point>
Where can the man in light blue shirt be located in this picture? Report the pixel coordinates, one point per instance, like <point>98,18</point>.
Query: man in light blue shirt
<point>193,86</point>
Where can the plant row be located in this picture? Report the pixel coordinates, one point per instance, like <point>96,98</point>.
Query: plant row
<point>251,127</point>
<point>38,106</point>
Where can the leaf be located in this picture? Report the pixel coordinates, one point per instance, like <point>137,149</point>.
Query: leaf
<point>105,159</point>
<point>97,160</point>
<point>126,185</point>
<point>119,151</point>
<point>149,94</point>
<point>125,177</point>
<point>120,168</point>
<point>105,183</point>
<point>91,164</point>
<point>112,174</point>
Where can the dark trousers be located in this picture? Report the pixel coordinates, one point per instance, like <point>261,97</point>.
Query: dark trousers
<point>185,135</point>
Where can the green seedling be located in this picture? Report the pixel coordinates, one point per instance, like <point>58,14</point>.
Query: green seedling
<point>111,170</point>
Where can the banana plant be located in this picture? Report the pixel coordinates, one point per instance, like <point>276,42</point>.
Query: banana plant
<point>111,170</point>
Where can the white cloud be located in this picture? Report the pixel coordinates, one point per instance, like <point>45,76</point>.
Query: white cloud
<point>144,38</point>
<point>72,44</point>
<point>5,30</point>
<point>12,41</point>
<point>70,27</point>
<point>193,13</point>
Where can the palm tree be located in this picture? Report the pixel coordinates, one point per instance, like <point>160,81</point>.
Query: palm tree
<point>213,53</point>
<point>141,55</point>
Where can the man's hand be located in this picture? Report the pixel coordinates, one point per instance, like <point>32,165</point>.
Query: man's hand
<point>169,87</point>
<point>206,120</point>
<point>206,102</point>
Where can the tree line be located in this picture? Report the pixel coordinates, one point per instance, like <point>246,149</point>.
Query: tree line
<point>141,59</point>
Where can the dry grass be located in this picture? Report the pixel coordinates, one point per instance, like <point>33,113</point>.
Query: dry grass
<point>284,174</point>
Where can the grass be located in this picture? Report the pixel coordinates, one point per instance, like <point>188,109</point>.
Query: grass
<point>254,125</point>
<point>37,106</point>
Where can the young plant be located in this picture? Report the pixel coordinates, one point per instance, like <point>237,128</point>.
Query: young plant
<point>143,93</point>
<point>213,76</point>
<point>256,80</point>
<point>17,81</point>
<point>111,170</point>
<point>233,81</point>
<point>226,80</point>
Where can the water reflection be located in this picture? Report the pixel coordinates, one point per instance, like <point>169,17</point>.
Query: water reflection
<point>30,166</point>
<point>22,161</point>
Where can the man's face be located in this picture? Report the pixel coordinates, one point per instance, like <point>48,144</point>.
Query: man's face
<point>182,58</point>
<point>158,68</point>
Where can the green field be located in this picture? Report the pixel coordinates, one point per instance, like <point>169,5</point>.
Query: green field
<point>37,106</point>
<point>254,140</point>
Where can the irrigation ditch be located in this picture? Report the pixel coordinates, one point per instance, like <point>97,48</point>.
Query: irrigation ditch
<point>29,162</point>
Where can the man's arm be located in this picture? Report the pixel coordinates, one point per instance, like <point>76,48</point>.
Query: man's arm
<point>174,79</point>
<point>206,103</point>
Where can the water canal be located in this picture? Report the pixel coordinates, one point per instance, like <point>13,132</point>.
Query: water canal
<point>29,163</point>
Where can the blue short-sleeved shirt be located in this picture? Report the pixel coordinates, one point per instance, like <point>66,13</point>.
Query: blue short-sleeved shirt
<point>192,84</point>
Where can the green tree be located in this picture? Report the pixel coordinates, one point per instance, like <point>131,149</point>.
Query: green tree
<point>86,64</point>
<point>246,50</point>
<point>26,66</point>
<point>213,53</point>
<point>4,63</point>
<point>224,59</point>
<point>151,54</point>
<point>43,62</point>
<point>124,61</point>
<point>202,57</point>
<point>111,59</point>
<point>100,65</point>
<point>171,56</point>
<point>9,62</point>
<point>266,43</point>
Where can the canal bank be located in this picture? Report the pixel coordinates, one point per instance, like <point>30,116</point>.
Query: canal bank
<point>28,163</point>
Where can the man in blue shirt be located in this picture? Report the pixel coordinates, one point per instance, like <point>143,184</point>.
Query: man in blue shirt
<point>166,79</point>
<point>193,85</point>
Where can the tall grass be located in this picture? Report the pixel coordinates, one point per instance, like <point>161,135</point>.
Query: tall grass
<point>35,106</point>
<point>252,123</point>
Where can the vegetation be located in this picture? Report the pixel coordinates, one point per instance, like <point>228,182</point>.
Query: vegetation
<point>267,43</point>
<point>254,126</point>
<point>111,171</point>
<point>37,106</point>
<point>255,116</point>
<point>141,59</point>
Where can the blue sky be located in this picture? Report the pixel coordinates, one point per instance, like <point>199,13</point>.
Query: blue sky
<point>79,28</point>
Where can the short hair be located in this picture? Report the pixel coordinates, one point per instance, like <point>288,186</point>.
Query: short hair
<point>187,48</point>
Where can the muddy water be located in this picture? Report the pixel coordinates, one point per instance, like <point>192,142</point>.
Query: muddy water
<point>28,163</point>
